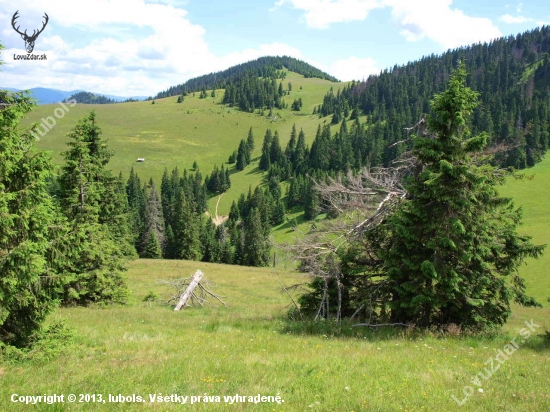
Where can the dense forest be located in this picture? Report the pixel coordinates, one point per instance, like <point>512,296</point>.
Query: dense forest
<point>512,75</point>
<point>173,224</point>
<point>264,67</point>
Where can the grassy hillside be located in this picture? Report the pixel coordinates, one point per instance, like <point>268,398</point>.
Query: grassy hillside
<point>532,195</point>
<point>251,349</point>
<point>168,134</point>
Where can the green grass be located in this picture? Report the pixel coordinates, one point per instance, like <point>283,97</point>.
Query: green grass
<point>251,349</point>
<point>168,134</point>
<point>532,196</point>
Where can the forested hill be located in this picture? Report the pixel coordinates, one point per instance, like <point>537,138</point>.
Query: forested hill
<point>512,75</point>
<point>91,98</point>
<point>266,67</point>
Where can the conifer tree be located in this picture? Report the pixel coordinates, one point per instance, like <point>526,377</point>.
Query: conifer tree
<point>28,240</point>
<point>241,161</point>
<point>152,249</point>
<point>250,141</point>
<point>88,194</point>
<point>451,251</point>
<point>154,224</point>
<point>256,245</point>
<point>290,151</point>
<point>186,230</point>
<point>278,213</point>
<point>136,204</point>
<point>265,160</point>
<point>243,155</point>
<point>275,151</point>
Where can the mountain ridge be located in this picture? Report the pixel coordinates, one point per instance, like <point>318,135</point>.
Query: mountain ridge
<point>45,95</point>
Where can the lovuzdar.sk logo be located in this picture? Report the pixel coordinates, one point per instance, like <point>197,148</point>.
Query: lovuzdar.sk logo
<point>29,39</point>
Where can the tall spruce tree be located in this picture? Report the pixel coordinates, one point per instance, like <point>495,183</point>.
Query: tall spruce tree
<point>250,141</point>
<point>153,234</point>
<point>243,155</point>
<point>265,160</point>
<point>186,230</point>
<point>88,200</point>
<point>256,245</point>
<point>451,251</point>
<point>27,221</point>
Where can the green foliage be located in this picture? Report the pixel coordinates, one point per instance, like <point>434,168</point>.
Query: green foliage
<point>186,228</point>
<point>297,105</point>
<point>152,248</point>
<point>220,180</point>
<point>151,296</point>
<point>95,205</point>
<point>29,228</point>
<point>256,246</point>
<point>43,346</point>
<point>511,74</point>
<point>451,251</point>
<point>266,67</point>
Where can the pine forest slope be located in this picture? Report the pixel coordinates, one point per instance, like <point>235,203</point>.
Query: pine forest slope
<point>512,75</point>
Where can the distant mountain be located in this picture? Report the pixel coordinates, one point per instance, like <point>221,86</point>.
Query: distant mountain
<point>46,96</point>
<point>265,67</point>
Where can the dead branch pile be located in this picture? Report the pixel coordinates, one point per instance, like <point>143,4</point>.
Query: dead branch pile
<point>191,291</point>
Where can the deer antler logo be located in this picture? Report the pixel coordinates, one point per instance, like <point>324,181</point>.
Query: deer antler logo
<point>29,40</point>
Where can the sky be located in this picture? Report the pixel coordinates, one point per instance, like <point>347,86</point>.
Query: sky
<point>142,47</point>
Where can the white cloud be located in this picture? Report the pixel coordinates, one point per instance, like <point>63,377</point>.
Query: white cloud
<point>514,19</point>
<point>126,47</point>
<point>354,68</point>
<point>434,19</point>
<point>319,14</point>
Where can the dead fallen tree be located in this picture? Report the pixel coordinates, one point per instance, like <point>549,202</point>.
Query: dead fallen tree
<point>191,291</point>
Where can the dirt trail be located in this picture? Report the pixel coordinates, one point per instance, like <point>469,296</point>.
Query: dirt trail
<point>217,220</point>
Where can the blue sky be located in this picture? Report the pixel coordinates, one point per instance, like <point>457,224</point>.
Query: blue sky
<point>140,47</point>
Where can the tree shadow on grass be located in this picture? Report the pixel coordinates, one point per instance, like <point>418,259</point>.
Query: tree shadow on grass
<point>256,170</point>
<point>290,224</point>
<point>331,329</point>
<point>295,325</point>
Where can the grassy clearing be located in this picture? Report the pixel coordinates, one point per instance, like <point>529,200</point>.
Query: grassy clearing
<point>251,349</point>
<point>168,134</point>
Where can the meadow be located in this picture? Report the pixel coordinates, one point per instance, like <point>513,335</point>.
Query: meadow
<point>252,348</point>
<point>168,134</point>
